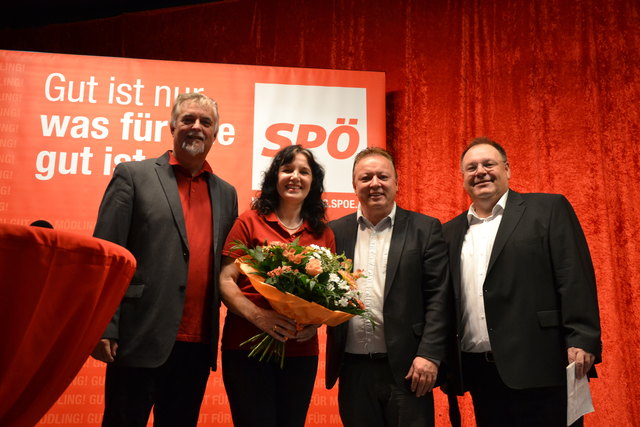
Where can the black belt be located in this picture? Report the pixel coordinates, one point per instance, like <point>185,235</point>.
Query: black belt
<point>365,356</point>
<point>487,356</point>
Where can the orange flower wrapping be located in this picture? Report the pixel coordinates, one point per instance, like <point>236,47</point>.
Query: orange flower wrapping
<point>302,311</point>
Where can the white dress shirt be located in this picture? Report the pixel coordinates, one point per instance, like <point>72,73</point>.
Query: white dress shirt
<point>371,255</point>
<point>474,261</point>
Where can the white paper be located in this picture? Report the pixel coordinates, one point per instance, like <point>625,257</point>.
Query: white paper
<point>578,395</point>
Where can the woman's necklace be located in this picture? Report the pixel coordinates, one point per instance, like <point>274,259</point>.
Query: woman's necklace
<point>294,227</point>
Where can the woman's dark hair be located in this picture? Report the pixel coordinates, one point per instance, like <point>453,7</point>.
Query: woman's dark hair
<point>313,208</point>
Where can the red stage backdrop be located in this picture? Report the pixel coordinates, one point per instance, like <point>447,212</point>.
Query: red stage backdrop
<point>556,81</point>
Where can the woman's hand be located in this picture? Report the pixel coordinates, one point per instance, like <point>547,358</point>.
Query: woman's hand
<point>278,326</point>
<point>307,332</point>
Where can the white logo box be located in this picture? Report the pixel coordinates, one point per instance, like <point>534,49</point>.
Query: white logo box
<point>333,118</point>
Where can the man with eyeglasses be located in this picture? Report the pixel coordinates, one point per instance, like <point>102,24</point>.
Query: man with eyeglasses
<point>525,292</point>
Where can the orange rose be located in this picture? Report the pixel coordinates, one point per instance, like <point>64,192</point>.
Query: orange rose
<point>313,267</point>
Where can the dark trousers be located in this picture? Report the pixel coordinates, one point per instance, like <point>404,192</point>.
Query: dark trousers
<point>262,394</point>
<point>174,390</point>
<point>368,396</point>
<point>496,405</point>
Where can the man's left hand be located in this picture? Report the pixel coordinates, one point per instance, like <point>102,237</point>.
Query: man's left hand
<point>422,374</point>
<point>584,360</point>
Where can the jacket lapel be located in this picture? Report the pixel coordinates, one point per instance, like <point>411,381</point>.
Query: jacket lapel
<point>460,227</point>
<point>512,213</point>
<point>398,236</point>
<point>346,237</point>
<point>170,187</point>
<point>214,194</point>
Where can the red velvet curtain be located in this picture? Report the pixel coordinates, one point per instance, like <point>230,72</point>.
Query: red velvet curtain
<point>556,81</point>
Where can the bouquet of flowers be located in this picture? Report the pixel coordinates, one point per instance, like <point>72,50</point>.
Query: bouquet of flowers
<point>309,284</point>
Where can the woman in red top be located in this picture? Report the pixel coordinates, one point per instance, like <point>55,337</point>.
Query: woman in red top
<point>288,207</point>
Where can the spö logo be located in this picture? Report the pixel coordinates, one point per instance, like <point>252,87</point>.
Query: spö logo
<point>330,121</point>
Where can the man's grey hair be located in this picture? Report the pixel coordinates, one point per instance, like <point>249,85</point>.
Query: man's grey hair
<point>200,99</point>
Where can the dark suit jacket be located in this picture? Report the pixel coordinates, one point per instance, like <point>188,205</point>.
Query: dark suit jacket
<point>415,295</point>
<point>539,291</point>
<point>141,210</point>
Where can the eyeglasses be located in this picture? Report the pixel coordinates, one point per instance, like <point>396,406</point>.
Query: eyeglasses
<point>488,166</point>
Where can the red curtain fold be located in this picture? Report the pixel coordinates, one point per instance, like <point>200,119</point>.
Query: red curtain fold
<point>556,81</point>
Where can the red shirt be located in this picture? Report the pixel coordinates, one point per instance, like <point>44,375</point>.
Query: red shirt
<point>195,325</point>
<point>254,230</point>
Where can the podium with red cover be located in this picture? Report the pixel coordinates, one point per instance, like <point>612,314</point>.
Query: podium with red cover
<point>58,291</point>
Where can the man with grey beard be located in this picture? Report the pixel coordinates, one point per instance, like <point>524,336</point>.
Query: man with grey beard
<point>173,214</point>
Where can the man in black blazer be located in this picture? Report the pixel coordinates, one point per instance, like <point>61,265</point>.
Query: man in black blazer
<point>525,295</point>
<point>173,214</point>
<point>387,372</point>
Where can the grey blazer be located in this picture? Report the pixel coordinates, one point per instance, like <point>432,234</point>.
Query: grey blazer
<point>141,210</point>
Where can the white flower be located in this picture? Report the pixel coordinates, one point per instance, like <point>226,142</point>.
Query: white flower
<point>342,284</point>
<point>352,294</point>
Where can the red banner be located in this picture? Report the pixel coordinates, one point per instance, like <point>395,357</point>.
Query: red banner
<point>66,121</point>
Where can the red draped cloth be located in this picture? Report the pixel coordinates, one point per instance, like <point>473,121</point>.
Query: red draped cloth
<point>58,291</point>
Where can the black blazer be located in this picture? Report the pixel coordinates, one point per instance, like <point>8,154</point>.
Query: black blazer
<point>539,291</point>
<point>415,296</point>
<point>141,210</point>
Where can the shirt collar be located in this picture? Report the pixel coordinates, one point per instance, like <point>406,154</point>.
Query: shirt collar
<point>384,223</point>
<point>174,162</point>
<point>497,209</point>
